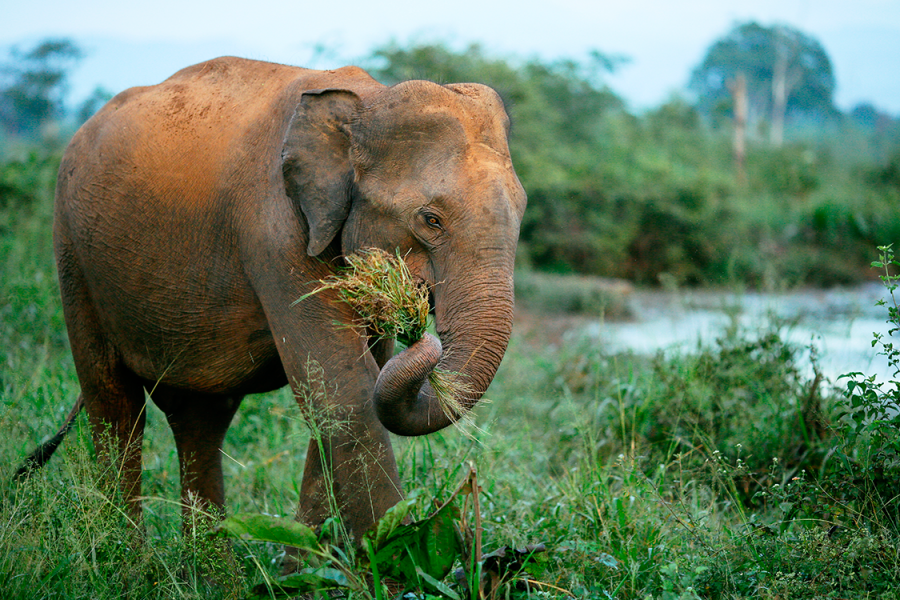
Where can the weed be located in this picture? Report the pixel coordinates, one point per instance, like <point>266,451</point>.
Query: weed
<point>869,450</point>
<point>400,553</point>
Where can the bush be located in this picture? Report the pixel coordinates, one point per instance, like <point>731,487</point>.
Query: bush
<point>867,472</point>
<point>24,181</point>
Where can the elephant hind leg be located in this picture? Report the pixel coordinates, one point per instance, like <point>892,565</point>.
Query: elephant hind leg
<point>113,396</point>
<point>116,412</point>
<point>199,423</point>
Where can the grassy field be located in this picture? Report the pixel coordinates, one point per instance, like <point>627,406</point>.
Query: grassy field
<point>722,474</point>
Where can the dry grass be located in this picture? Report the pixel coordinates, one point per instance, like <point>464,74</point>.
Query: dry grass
<point>389,302</point>
<point>380,288</point>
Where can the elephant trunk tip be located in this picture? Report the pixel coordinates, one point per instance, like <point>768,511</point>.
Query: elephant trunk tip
<point>430,386</point>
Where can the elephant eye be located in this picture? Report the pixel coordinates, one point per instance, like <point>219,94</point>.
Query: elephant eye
<point>432,221</point>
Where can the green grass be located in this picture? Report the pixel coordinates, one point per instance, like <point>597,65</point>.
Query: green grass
<point>723,474</point>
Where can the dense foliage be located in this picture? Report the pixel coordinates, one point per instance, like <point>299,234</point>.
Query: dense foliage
<point>33,85</point>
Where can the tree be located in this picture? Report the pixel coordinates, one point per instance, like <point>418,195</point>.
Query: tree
<point>33,85</point>
<point>866,115</point>
<point>788,75</point>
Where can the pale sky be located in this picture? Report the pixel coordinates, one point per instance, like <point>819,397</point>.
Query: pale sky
<point>138,43</point>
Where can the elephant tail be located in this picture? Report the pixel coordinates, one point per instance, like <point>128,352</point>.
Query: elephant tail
<point>42,453</point>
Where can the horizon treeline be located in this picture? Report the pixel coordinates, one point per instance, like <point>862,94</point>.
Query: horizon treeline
<point>663,196</point>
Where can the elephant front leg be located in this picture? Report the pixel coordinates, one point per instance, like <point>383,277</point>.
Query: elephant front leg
<point>350,469</point>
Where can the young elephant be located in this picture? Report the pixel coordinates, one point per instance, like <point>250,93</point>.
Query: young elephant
<point>190,216</point>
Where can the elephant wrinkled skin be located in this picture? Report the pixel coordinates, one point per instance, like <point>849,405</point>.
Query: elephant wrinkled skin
<point>190,216</point>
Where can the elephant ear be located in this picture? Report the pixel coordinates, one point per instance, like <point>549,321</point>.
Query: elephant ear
<point>316,162</point>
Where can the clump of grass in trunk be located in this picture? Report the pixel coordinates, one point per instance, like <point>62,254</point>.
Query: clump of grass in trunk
<point>380,288</point>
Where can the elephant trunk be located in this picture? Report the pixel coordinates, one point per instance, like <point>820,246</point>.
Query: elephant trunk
<point>474,322</point>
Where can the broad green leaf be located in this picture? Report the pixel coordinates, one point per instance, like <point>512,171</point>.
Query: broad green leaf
<point>430,545</point>
<point>442,543</point>
<point>438,585</point>
<point>263,528</point>
<point>315,579</point>
<point>392,519</point>
<point>393,558</point>
<point>305,581</point>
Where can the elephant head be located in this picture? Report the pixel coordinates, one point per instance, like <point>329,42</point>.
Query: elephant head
<point>425,169</point>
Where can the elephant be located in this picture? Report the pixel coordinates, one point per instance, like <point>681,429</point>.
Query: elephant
<point>191,215</point>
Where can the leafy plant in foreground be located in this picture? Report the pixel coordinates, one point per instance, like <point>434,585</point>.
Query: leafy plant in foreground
<point>399,553</point>
<point>870,450</point>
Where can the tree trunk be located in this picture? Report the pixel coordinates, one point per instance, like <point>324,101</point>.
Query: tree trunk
<point>779,95</point>
<point>739,144</point>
